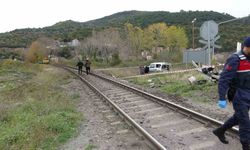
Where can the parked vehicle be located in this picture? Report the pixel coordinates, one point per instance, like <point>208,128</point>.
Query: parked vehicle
<point>159,66</point>
<point>45,60</point>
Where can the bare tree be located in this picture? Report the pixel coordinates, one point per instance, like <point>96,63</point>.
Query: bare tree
<point>103,44</point>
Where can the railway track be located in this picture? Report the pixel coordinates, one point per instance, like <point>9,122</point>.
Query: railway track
<point>103,128</point>
<point>163,124</point>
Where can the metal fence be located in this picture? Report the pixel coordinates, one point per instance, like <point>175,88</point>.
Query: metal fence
<point>199,56</point>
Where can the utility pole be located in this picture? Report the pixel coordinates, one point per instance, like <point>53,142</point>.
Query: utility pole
<point>193,30</point>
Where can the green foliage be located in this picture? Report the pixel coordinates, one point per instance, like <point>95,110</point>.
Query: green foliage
<point>171,39</point>
<point>182,88</point>
<point>62,31</point>
<point>176,38</point>
<point>65,52</point>
<point>37,113</point>
<point>156,35</point>
<point>115,59</point>
<point>160,35</point>
<point>135,38</point>
<point>177,84</point>
<point>90,147</point>
<point>230,33</point>
<point>18,67</point>
<point>145,18</point>
<point>69,30</point>
<point>9,55</point>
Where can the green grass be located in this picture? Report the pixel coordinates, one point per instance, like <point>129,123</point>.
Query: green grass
<point>177,84</point>
<point>90,147</point>
<point>75,96</point>
<point>35,112</point>
<point>183,89</point>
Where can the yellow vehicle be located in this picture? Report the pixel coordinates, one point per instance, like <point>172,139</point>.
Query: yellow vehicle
<point>45,60</point>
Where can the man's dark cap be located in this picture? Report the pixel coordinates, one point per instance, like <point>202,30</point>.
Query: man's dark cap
<point>247,42</point>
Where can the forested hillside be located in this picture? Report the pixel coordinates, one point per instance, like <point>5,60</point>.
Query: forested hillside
<point>62,31</point>
<point>68,30</point>
<point>143,18</point>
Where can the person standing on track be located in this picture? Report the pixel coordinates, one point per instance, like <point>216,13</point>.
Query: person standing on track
<point>79,65</point>
<point>87,65</point>
<point>236,75</point>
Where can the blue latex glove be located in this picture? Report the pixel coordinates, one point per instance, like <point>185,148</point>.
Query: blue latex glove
<point>222,103</point>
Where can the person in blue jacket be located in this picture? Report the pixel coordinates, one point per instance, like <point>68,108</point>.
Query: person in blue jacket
<point>236,75</point>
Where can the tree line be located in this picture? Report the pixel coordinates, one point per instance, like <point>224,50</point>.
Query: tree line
<point>112,45</point>
<point>69,30</point>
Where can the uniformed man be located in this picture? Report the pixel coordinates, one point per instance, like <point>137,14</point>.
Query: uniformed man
<point>236,74</point>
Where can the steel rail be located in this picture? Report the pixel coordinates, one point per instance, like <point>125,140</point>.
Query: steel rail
<point>151,141</point>
<point>195,115</point>
<point>190,113</point>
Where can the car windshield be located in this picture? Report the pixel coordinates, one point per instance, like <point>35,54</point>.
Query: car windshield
<point>152,66</point>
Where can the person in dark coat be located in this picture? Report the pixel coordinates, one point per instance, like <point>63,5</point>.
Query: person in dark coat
<point>236,74</point>
<point>79,65</point>
<point>146,69</point>
<point>87,65</point>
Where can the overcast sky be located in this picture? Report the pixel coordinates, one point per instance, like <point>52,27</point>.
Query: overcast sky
<point>16,14</point>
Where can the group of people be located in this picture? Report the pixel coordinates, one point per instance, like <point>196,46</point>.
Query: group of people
<point>87,64</point>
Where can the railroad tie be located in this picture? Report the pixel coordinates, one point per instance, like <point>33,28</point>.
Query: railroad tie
<point>196,130</point>
<point>202,145</point>
<point>168,123</point>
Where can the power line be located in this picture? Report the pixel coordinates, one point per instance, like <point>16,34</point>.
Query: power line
<point>232,20</point>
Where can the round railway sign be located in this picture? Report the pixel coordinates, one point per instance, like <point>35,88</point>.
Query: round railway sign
<point>208,30</point>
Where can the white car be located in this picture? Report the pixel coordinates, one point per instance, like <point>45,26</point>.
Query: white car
<point>159,66</point>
